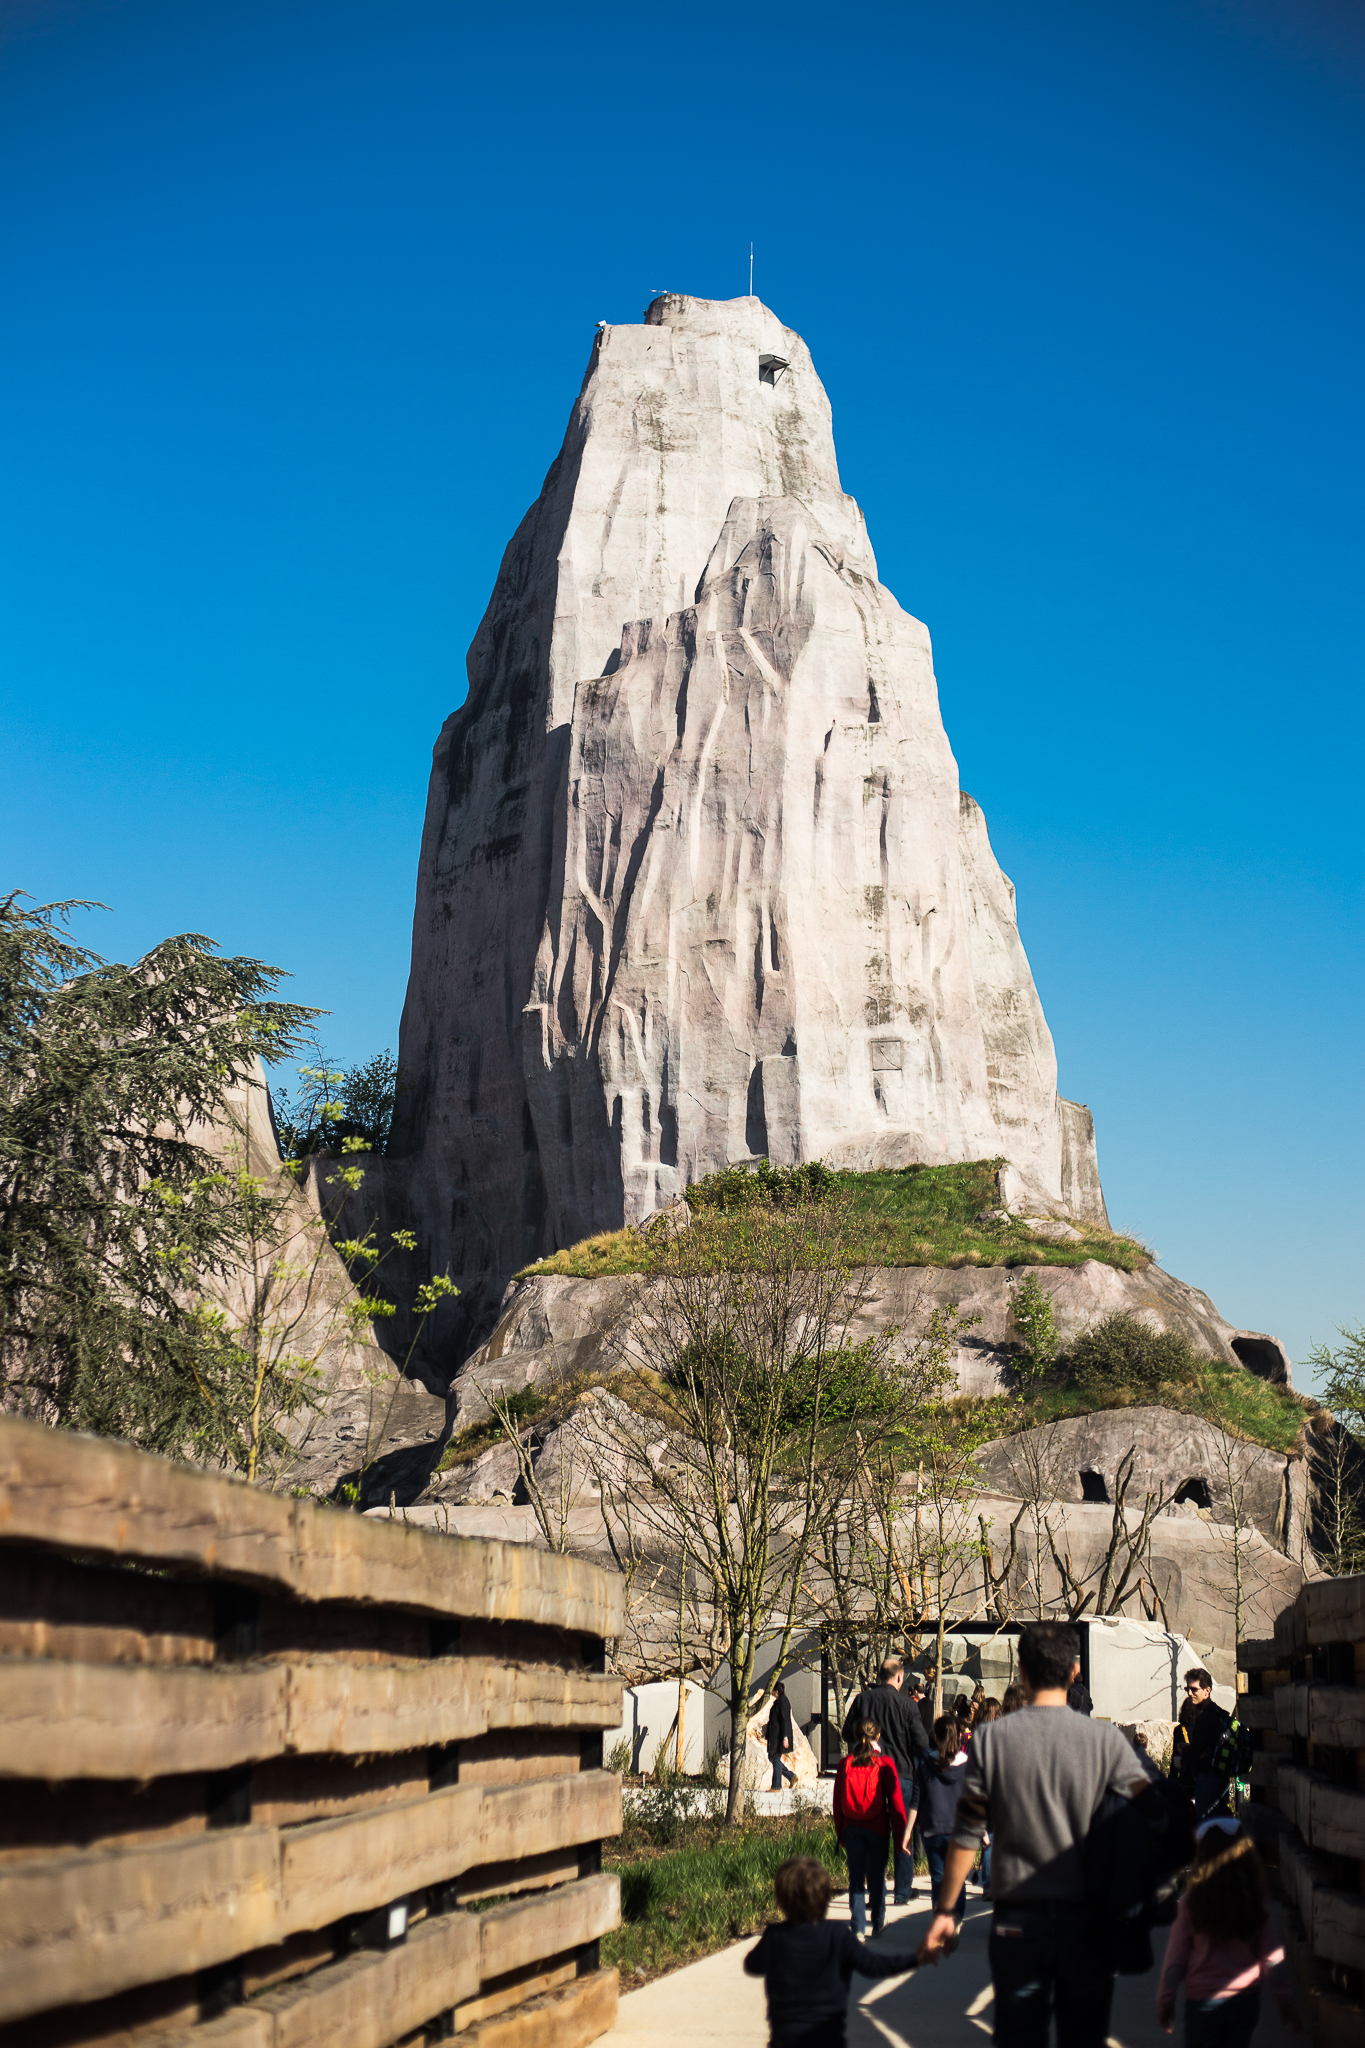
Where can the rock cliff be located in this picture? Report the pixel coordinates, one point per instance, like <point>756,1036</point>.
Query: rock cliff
<point>697,878</point>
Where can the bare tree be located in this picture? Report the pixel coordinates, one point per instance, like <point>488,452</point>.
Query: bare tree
<point>1125,1563</point>
<point>741,1429</point>
<point>1037,1465</point>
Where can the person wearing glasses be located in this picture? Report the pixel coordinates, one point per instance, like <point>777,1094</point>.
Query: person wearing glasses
<point>1194,1753</point>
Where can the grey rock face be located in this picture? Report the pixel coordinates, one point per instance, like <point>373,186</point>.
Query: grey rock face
<point>697,878</point>
<point>1176,1452</point>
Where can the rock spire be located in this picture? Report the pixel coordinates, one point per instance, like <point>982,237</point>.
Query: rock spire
<point>697,878</point>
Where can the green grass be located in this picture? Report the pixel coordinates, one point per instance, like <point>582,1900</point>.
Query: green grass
<point>1230,1396</point>
<point>714,1887</point>
<point>919,1216</point>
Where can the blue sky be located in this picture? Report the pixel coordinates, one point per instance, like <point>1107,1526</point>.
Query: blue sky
<point>298,297</point>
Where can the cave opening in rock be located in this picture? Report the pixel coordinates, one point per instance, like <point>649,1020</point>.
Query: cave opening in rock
<point>1197,1490</point>
<point>1093,1487</point>
<point>1263,1356</point>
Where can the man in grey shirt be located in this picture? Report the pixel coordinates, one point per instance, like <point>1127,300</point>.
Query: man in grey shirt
<point>1036,1779</point>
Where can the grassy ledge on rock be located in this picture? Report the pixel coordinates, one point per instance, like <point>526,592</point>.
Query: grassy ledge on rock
<point>916,1216</point>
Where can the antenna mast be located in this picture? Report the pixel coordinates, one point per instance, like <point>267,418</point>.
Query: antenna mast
<point>751,270</point>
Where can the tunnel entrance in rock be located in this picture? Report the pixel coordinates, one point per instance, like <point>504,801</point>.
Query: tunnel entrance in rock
<point>1093,1488</point>
<point>1197,1490</point>
<point>1261,1355</point>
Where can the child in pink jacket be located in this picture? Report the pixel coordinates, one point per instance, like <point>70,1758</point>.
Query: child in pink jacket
<point>1223,1944</point>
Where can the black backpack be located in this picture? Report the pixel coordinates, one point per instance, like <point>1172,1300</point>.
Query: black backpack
<point>1133,1859</point>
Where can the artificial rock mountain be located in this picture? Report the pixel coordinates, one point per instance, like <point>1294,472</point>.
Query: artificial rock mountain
<point>697,878</point>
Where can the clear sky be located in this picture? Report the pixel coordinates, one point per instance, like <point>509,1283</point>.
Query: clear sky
<point>297,298</point>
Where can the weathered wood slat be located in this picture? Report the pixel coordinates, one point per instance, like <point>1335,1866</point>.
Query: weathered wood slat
<point>1336,1716</point>
<point>61,1721</point>
<point>368,2001</point>
<point>86,1926</point>
<point>1257,1654</point>
<point>1256,1710</point>
<point>96,1498</point>
<point>449,1700</point>
<point>561,2019</point>
<point>550,1924</point>
<point>1334,1610</point>
<point>1336,1819</point>
<point>349,1865</point>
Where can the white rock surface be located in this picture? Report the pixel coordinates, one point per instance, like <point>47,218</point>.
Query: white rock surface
<point>697,878</point>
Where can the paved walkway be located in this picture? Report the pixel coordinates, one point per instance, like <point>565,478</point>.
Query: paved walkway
<point>948,2007</point>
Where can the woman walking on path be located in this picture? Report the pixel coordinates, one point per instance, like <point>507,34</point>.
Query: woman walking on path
<point>867,1808</point>
<point>778,1735</point>
<point>937,1784</point>
<point>1223,1945</point>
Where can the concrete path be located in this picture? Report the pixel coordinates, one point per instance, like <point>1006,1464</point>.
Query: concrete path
<point>948,2007</point>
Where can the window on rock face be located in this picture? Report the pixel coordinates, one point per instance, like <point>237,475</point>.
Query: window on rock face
<point>771,369</point>
<point>1093,1487</point>
<point>1197,1490</point>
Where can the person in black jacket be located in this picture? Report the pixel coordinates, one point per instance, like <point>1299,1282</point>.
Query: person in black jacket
<point>807,1965</point>
<point>905,1742</point>
<point>1194,1754</point>
<point>778,1735</point>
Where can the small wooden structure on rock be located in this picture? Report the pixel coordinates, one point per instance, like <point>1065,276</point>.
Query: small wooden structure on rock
<point>264,1760</point>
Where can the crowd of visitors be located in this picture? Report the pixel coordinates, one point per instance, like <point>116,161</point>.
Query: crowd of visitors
<point>1075,1834</point>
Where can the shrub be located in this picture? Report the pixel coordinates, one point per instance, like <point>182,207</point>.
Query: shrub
<point>1123,1351</point>
<point>739,1187</point>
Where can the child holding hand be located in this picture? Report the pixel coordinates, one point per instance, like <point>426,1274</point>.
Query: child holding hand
<point>807,1965</point>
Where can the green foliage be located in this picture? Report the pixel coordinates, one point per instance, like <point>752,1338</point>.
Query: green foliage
<point>1035,1328</point>
<point>715,1887</point>
<point>110,1207</point>
<point>337,1109</point>
<point>1343,1377</point>
<point>1121,1350</point>
<point>741,1187</point>
<point>847,1383</point>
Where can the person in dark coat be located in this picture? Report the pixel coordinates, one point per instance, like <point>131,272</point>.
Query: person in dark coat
<point>1078,1698</point>
<point>806,1964</point>
<point>1194,1760</point>
<point>779,1735</point>
<point>905,1742</point>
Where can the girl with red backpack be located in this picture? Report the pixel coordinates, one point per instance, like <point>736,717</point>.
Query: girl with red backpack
<point>868,1809</point>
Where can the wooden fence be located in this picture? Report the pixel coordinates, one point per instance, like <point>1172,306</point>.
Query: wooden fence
<point>266,1765</point>
<point>1305,1701</point>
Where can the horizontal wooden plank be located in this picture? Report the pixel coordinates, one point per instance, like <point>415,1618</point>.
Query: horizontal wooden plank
<point>548,1924</point>
<point>1257,1655</point>
<point>1257,1710</point>
<point>86,1926</point>
<point>561,2019</point>
<point>1338,1820</point>
<point>369,2001</point>
<point>448,1700</point>
<point>350,1865</point>
<point>61,1721</point>
<point>97,1614</point>
<point>97,1498</point>
<point>1336,1716</point>
<point>1334,1610</point>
